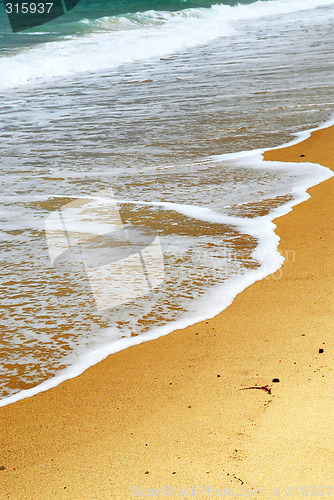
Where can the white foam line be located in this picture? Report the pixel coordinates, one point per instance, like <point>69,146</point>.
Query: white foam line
<point>221,296</point>
<point>299,137</point>
<point>154,34</point>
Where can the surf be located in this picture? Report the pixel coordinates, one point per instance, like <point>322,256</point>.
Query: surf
<point>109,42</point>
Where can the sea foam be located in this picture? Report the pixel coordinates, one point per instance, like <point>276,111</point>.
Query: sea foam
<point>219,297</point>
<point>110,42</point>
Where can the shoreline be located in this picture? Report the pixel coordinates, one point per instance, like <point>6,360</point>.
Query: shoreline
<point>96,356</point>
<point>173,407</point>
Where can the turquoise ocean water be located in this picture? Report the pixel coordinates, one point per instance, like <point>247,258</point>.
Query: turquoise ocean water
<point>156,101</point>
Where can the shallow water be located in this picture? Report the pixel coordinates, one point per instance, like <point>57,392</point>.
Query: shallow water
<point>148,128</point>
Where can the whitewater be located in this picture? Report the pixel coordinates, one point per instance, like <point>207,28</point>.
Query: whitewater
<point>171,111</point>
<point>109,42</point>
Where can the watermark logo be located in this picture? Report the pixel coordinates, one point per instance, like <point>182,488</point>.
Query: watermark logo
<point>121,261</point>
<point>23,14</point>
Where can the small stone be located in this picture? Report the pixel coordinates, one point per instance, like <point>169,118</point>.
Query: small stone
<point>218,375</point>
<point>2,467</point>
<point>275,380</point>
<point>321,351</point>
<point>147,472</point>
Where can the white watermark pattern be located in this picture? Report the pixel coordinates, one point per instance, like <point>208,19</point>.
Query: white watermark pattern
<point>203,491</point>
<point>121,262</point>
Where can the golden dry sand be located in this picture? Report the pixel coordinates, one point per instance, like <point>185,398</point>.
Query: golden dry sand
<point>170,413</point>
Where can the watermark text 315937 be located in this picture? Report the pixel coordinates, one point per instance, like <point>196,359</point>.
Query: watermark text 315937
<point>23,15</point>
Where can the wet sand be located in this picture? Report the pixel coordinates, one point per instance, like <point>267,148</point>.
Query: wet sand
<point>171,413</point>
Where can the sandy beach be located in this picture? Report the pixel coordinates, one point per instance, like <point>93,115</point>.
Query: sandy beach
<point>171,415</point>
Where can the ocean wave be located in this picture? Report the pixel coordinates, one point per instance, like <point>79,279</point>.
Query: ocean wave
<point>108,42</point>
